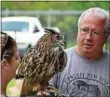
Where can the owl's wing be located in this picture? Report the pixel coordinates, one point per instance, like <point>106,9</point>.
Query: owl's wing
<point>62,60</point>
<point>31,62</point>
<point>26,63</point>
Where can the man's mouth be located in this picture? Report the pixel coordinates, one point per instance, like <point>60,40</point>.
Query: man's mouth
<point>88,45</point>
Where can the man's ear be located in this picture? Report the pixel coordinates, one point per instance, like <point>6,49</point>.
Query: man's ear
<point>5,64</point>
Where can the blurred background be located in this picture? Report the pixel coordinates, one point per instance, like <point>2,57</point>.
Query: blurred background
<point>63,15</point>
<point>60,14</point>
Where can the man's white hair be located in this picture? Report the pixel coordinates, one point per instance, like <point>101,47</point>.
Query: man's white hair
<point>104,15</point>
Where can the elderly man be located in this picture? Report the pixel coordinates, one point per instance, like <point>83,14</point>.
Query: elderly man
<point>87,70</point>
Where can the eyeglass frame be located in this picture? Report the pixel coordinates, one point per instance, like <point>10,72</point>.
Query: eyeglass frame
<point>94,33</point>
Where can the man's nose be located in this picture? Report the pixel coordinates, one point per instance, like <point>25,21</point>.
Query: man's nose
<point>89,36</point>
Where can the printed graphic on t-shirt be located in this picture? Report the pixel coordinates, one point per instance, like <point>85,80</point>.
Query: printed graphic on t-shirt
<point>86,85</point>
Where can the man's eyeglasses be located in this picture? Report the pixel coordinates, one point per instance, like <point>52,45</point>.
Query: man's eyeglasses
<point>94,33</point>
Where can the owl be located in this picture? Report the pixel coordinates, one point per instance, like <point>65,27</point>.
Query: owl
<point>43,61</point>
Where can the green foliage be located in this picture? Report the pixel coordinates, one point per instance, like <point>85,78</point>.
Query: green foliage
<point>54,5</point>
<point>107,46</point>
<point>66,23</point>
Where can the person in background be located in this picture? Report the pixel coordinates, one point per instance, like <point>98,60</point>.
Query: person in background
<point>87,70</point>
<point>9,61</point>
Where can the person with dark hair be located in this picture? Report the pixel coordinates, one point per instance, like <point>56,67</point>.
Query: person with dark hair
<point>88,61</point>
<point>9,61</point>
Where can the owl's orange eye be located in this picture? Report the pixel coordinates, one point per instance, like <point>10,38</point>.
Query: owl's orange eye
<point>57,37</point>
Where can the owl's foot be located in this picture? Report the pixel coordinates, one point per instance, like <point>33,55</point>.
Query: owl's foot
<point>43,93</point>
<point>53,91</point>
<point>40,92</point>
<point>49,91</point>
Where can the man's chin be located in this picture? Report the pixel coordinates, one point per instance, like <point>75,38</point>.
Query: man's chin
<point>88,50</point>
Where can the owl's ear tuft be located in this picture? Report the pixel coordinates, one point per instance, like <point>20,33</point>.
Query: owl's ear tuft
<point>50,30</point>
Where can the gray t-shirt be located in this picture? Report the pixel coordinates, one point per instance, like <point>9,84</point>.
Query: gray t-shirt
<point>82,77</point>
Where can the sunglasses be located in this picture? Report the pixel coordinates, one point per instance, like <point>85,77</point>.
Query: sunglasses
<point>4,42</point>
